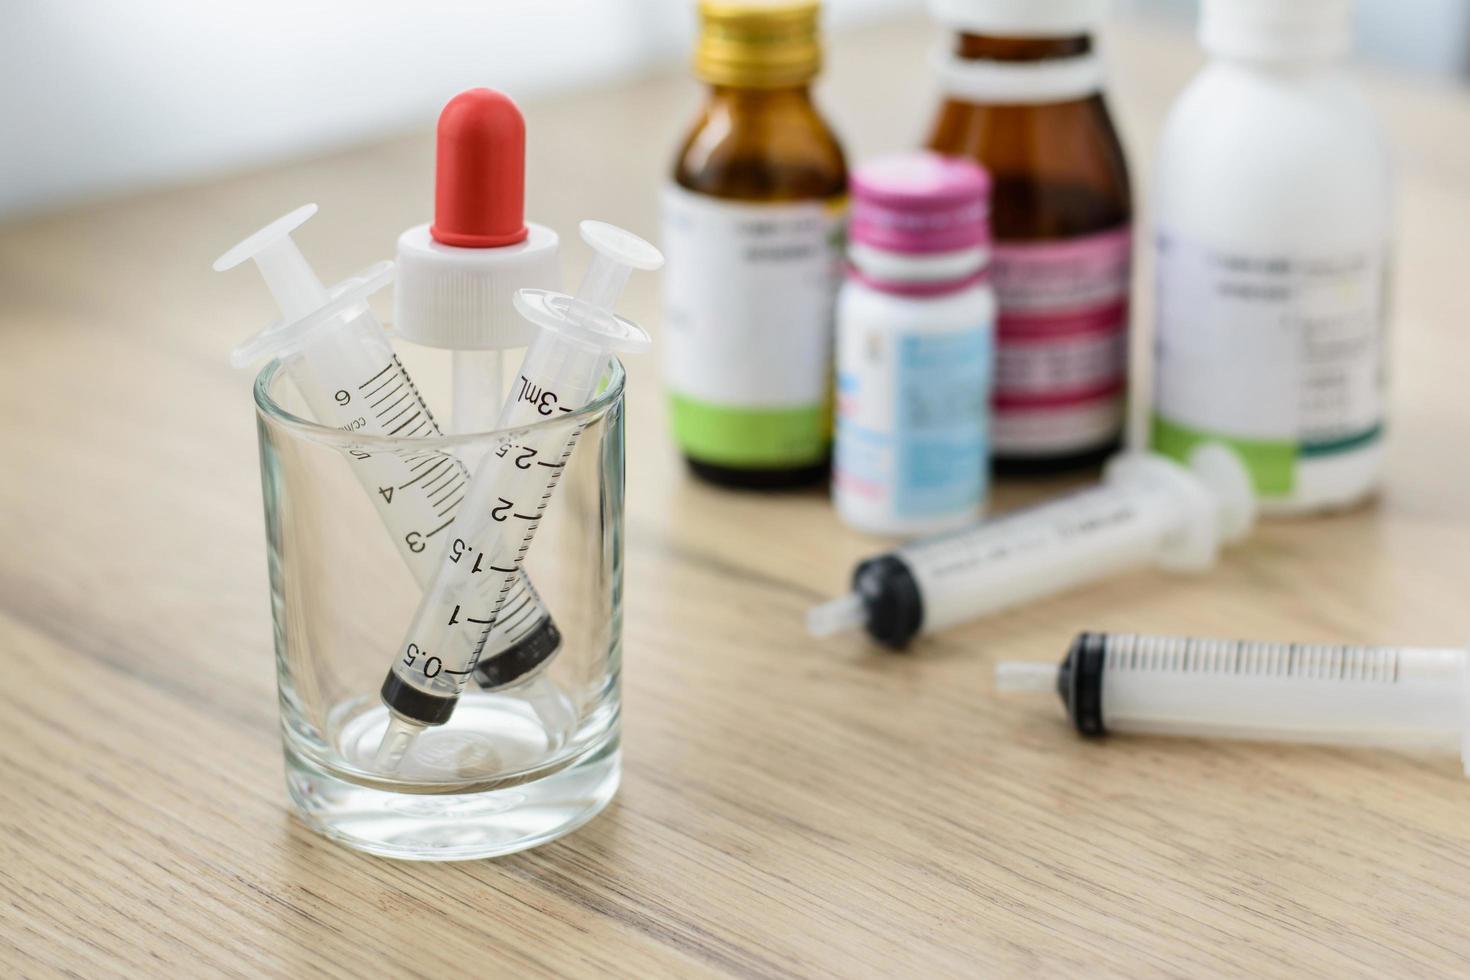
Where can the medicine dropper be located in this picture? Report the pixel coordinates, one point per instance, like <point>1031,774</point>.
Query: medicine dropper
<point>338,355</point>
<point>509,494</point>
<point>1147,510</point>
<point>1396,697</point>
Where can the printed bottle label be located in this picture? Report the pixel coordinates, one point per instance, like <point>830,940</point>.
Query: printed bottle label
<point>1061,343</point>
<point>911,420</point>
<point>749,291</point>
<point>1280,356</point>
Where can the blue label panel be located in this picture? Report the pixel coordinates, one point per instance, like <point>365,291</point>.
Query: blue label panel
<point>943,412</point>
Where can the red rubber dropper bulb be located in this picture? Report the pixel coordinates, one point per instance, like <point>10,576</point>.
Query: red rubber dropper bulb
<point>480,180</point>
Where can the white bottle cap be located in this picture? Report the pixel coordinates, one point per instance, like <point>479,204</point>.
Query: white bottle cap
<point>1020,18</point>
<point>1277,30</point>
<point>463,298</point>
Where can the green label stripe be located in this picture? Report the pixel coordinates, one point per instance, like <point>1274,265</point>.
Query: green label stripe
<point>753,437</point>
<point>1342,445</point>
<point>1272,464</point>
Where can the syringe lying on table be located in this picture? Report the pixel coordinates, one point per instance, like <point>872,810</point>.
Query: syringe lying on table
<point>509,493</point>
<point>1148,509</point>
<point>339,357</point>
<point>1397,697</point>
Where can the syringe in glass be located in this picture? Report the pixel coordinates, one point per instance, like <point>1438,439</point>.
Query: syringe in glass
<point>1148,509</point>
<point>508,496</point>
<point>339,357</point>
<point>1397,697</point>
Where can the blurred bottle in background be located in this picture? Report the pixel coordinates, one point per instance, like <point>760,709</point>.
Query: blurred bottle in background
<point>915,339</point>
<point>1273,214</point>
<point>1023,97</point>
<point>752,230</point>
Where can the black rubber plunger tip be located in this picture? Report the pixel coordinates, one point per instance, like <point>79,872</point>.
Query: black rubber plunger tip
<point>413,704</point>
<point>1079,682</point>
<point>516,662</point>
<point>890,595</point>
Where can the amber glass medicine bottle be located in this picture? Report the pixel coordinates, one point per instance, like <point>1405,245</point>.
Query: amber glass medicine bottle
<point>1023,97</point>
<point>752,232</point>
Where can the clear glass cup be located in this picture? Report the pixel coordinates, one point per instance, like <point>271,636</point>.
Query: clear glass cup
<point>513,767</point>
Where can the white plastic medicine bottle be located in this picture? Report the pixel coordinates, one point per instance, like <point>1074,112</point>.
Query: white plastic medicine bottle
<point>1273,212</point>
<point>915,347</point>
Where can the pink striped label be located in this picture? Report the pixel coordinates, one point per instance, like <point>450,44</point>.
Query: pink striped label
<point>1062,337</point>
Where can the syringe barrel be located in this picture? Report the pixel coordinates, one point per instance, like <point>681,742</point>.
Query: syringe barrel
<point>474,582</point>
<point>1038,551</point>
<point>1337,694</point>
<point>349,377</point>
<point>558,375</point>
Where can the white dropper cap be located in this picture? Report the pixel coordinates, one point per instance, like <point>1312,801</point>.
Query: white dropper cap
<point>305,303</point>
<point>463,298</point>
<point>588,317</point>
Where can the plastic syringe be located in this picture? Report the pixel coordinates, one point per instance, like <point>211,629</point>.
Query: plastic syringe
<point>338,355</point>
<point>1147,510</point>
<point>509,494</point>
<point>1393,697</point>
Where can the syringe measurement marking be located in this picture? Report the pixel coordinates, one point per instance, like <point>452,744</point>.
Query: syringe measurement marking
<point>405,424</point>
<point>1128,652</point>
<point>401,411</point>
<point>439,482</point>
<point>405,486</point>
<point>379,388</point>
<point>375,377</point>
<point>444,484</point>
<point>497,514</point>
<point>389,408</point>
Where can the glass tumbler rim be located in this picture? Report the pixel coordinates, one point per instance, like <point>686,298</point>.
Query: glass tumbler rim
<point>267,407</point>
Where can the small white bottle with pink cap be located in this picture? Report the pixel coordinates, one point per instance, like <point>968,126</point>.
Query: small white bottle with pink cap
<point>915,348</point>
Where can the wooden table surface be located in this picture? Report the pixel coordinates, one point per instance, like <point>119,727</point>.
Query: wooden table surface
<point>788,807</point>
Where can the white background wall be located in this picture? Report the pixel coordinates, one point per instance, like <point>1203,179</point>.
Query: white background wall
<point>104,96</point>
<point>101,96</point>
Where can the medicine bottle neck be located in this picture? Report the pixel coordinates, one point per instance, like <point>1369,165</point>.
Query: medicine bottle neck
<point>987,47</point>
<point>1279,64</point>
<point>743,101</point>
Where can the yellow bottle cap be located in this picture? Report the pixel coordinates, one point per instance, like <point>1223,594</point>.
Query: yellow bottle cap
<point>754,44</point>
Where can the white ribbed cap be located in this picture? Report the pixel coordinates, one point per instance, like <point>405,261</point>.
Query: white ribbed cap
<point>1277,30</point>
<point>1021,18</point>
<point>461,298</point>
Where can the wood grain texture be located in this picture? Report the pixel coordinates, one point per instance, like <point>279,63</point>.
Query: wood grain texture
<point>789,807</point>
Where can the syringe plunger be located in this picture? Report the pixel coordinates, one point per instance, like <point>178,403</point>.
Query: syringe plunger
<point>289,276</point>
<point>615,254</point>
<point>306,305</point>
